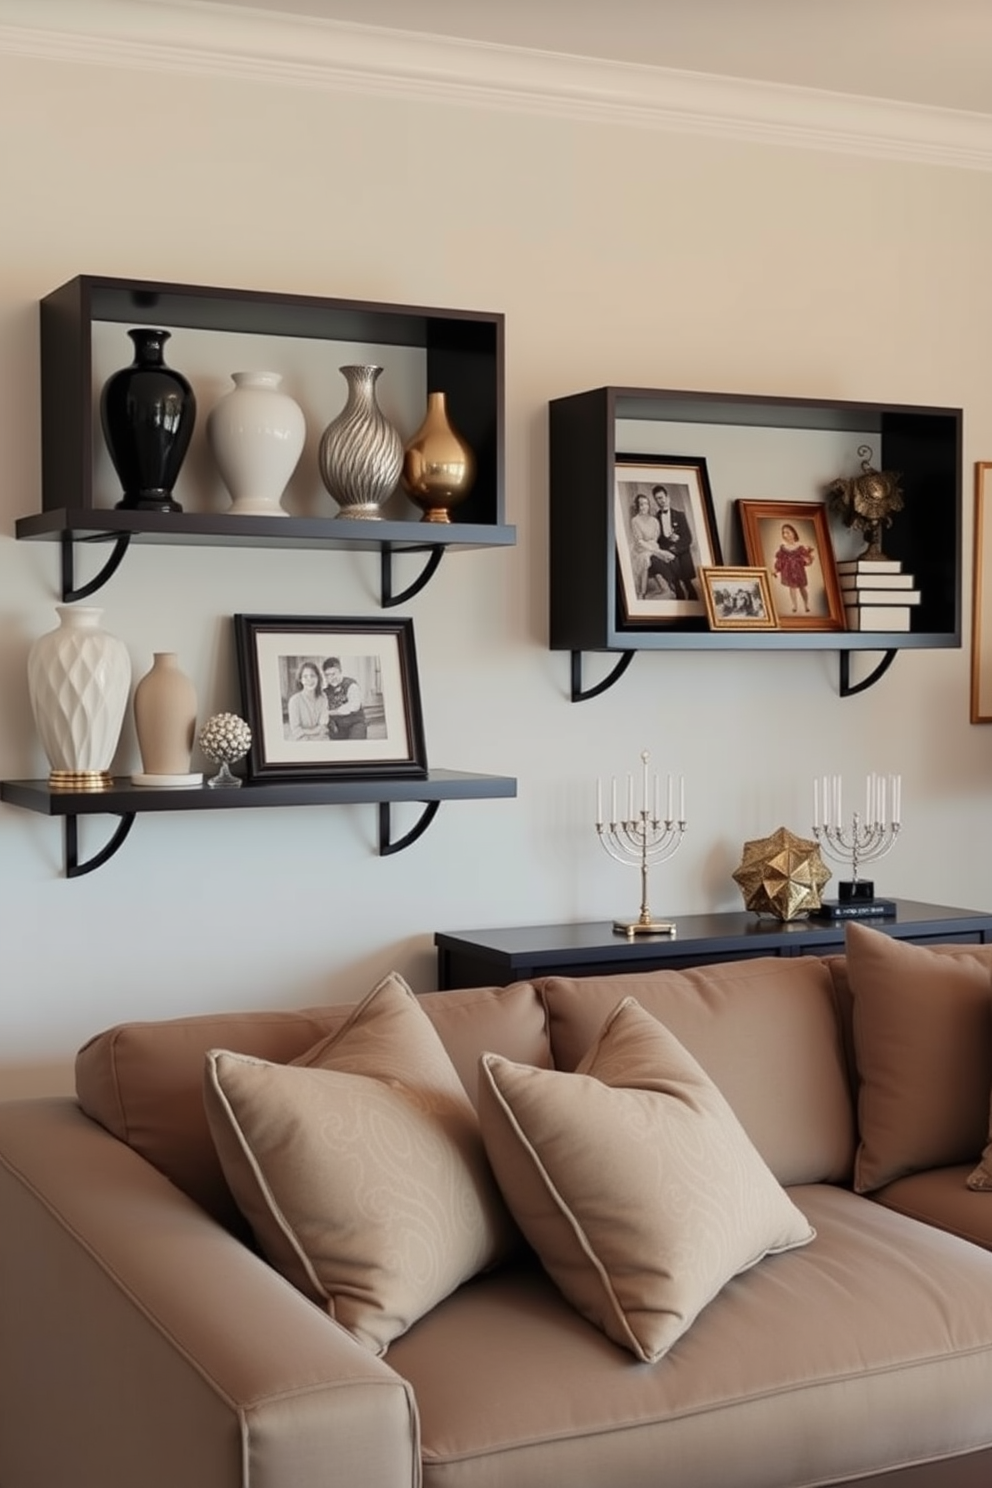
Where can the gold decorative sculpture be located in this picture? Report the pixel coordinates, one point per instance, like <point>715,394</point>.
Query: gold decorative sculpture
<point>781,875</point>
<point>867,501</point>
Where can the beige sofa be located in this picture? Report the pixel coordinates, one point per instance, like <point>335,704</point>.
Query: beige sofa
<point>145,1342</point>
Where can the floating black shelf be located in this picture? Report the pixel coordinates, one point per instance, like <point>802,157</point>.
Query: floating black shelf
<point>98,527</point>
<point>125,800</point>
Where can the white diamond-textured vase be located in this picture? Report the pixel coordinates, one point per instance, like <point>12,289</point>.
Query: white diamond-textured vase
<point>256,434</point>
<point>79,677</point>
<point>361,454</point>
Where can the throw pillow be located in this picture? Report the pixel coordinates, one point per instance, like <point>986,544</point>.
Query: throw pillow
<point>633,1180</point>
<point>360,1166</point>
<point>922,1025</point>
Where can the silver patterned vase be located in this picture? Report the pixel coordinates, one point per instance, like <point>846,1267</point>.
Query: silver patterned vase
<point>361,454</point>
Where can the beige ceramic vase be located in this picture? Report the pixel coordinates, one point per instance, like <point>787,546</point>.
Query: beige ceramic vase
<point>438,466</point>
<point>165,722</point>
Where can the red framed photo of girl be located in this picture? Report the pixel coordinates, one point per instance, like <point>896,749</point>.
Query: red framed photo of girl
<point>791,539</point>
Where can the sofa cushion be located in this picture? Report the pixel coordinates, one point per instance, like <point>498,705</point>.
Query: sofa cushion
<point>144,1081</point>
<point>923,1045</point>
<point>633,1180</point>
<point>765,1030</point>
<point>360,1166</point>
<point>867,1351</point>
<point>942,1197</point>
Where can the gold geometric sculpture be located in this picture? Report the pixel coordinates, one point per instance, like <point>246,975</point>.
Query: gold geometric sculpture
<point>781,875</point>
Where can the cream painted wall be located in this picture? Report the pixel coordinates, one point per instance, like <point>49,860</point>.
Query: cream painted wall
<point>618,254</point>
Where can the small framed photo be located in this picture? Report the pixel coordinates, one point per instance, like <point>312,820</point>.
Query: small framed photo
<point>791,539</point>
<point>330,699</point>
<point>665,533</point>
<point>738,599</point>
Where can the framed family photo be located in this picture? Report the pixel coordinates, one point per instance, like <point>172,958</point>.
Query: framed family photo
<point>330,699</point>
<point>791,539</point>
<point>665,533</point>
<point>738,599</point>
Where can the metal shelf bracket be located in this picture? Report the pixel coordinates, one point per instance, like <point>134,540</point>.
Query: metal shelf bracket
<point>849,688</point>
<point>386,847</point>
<point>70,593</point>
<point>388,599</point>
<point>580,695</point>
<point>73,867</point>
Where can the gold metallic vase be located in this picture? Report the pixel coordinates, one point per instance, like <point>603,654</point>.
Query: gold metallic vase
<point>438,466</point>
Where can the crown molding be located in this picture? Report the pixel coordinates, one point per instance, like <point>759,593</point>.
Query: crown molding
<point>204,38</point>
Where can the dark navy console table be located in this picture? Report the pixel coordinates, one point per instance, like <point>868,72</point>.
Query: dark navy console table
<point>484,958</point>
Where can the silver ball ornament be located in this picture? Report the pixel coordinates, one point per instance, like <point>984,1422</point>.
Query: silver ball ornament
<point>225,738</point>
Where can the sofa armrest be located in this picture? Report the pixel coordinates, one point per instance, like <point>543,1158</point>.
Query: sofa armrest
<point>140,1343</point>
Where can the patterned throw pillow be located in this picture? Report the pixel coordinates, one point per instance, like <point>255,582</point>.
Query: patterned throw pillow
<point>360,1166</point>
<point>633,1180</point>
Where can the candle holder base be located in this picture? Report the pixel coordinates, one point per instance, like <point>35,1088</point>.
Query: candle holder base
<point>855,909</point>
<point>859,889</point>
<point>630,928</point>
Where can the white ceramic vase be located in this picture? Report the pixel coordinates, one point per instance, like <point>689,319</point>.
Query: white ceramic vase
<point>79,678</point>
<point>256,434</point>
<point>165,723</point>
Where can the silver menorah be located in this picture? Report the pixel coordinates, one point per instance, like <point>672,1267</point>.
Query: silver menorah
<point>871,834</point>
<point>642,837</point>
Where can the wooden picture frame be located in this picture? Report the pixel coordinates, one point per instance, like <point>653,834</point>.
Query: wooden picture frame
<point>361,720</point>
<point>791,539</point>
<point>738,599</point>
<point>981,598</point>
<point>658,571</point>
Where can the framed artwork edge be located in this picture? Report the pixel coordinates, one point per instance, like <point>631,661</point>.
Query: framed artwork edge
<point>638,612</point>
<point>757,577</point>
<point>273,649</point>
<point>752,513</point>
<point>981,598</point>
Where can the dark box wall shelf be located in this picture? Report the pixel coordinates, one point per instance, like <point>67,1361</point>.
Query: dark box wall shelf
<point>463,355</point>
<point>924,444</point>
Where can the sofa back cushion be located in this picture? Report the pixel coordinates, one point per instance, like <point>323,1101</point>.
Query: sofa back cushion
<point>765,1030</point>
<point>144,1081</point>
<point>922,1024</point>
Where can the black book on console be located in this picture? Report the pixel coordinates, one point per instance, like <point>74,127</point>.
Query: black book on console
<point>866,909</point>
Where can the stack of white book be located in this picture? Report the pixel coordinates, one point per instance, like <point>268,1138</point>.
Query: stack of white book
<point>877,594</point>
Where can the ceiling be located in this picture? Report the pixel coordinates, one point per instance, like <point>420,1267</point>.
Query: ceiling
<point>930,52</point>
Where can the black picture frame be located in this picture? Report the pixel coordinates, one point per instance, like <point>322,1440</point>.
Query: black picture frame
<point>304,741</point>
<point>653,595</point>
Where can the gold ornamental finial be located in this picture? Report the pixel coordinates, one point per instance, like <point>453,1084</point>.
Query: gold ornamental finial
<point>867,501</point>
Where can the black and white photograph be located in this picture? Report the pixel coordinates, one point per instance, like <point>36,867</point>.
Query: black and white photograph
<point>665,534</point>
<point>330,698</point>
<point>738,599</point>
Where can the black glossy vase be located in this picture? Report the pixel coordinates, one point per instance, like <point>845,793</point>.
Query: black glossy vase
<point>148,412</point>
